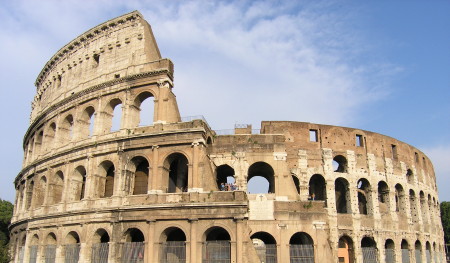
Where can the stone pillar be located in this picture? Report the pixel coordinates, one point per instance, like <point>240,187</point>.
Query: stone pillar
<point>150,253</point>
<point>193,248</point>
<point>155,175</point>
<point>239,239</point>
<point>195,185</point>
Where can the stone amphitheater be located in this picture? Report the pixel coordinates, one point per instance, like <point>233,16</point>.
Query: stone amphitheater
<point>98,184</point>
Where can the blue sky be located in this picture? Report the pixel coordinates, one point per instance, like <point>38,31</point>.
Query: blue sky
<point>381,65</point>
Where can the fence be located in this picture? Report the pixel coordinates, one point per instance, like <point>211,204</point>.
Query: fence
<point>50,253</point>
<point>267,253</point>
<point>390,255</point>
<point>301,253</point>
<point>33,253</point>
<point>132,252</point>
<point>71,253</point>
<point>100,253</point>
<point>369,255</point>
<point>173,252</point>
<point>216,252</point>
<point>418,256</point>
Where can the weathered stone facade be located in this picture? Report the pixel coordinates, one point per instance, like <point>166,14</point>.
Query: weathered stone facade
<point>90,193</point>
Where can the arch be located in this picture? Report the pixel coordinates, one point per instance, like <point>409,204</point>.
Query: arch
<point>41,191</point>
<point>106,178</point>
<point>413,206</point>
<point>364,197</point>
<point>404,246</point>
<point>428,251</point>
<point>216,246</point>
<point>418,251</point>
<point>383,198</point>
<point>222,173</point>
<point>140,175</point>
<point>58,187</point>
<point>296,183</point>
<point>389,251</point>
<point>100,246</point>
<point>72,247</point>
<point>423,207</point>
<point>114,108</point>
<point>176,171</point>
<point>86,122</point>
<point>317,187</point>
<point>345,249</point>
<point>265,246</point>
<point>33,248</point>
<point>30,190</point>
<point>145,105</point>
<point>400,199</point>
<point>78,182</point>
<point>301,248</point>
<point>38,143</point>
<point>410,176</point>
<point>261,170</point>
<point>65,132</point>
<point>369,250</point>
<point>173,246</point>
<point>50,248</point>
<point>342,195</point>
<point>133,248</point>
<point>49,135</point>
<point>340,164</point>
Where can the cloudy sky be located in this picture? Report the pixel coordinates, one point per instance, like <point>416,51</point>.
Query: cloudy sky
<point>380,65</point>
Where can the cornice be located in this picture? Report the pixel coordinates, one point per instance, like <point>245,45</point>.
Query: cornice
<point>83,39</point>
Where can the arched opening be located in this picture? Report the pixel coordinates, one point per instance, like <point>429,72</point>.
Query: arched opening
<point>22,248</point>
<point>86,122</point>
<point>345,250</point>
<point>58,187</point>
<point>265,246</point>
<point>72,247</point>
<point>389,251</point>
<point>176,166</point>
<point>100,247</point>
<point>33,248</point>
<point>173,247</point>
<point>400,199</point>
<point>296,183</point>
<point>49,135</point>
<point>428,251</point>
<point>340,164</point>
<point>342,195</point>
<point>38,143</point>
<point>40,193</point>
<point>413,206</point>
<point>301,248</point>
<point>29,150</point>
<point>405,250</point>
<point>418,251</point>
<point>141,173</point>
<point>423,207</point>
<point>106,184</point>
<point>259,175</point>
<point>216,246</point>
<point>317,187</point>
<point>383,197</point>
<point>66,130</point>
<point>78,182</point>
<point>145,103</point>
<point>223,174</point>
<point>133,247</point>
<point>115,109</point>
<point>435,252</point>
<point>364,197</point>
<point>30,190</point>
<point>430,209</point>
<point>410,176</point>
<point>50,248</point>
<point>369,250</point>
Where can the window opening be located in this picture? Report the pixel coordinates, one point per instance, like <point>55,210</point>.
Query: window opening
<point>340,164</point>
<point>342,196</point>
<point>317,187</point>
<point>260,178</point>
<point>359,140</point>
<point>394,152</point>
<point>265,246</point>
<point>301,248</point>
<point>313,136</point>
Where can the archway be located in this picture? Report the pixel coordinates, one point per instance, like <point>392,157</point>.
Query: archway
<point>369,250</point>
<point>133,247</point>
<point>259,174</point>
<point>400,199</point>
<point>78,182</point>
<point>176,166</point>
<point>141,174</point>
<point>342,196</point>
<point>345,250</point>
<point>216,247</point>
<point>364,198</point>
<point>405,251</point>
<point>50,248</point>
<point>106,179</point>
<point>223,174</point>
<point>340,164</point>
<point>389,251</point>
<point>33,248</point>
<point>418,251</point>
<point>383,197</point>
<point>317,187</point>
<point>265,246</point>
<point>72,248</point>
<point>173,246</point>
<point>145,103</point>
<point>301,248</point>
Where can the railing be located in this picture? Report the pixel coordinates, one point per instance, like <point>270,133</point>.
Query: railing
<point>216,252</point>
<point>132,252</point>
<point>232,131</point>
<point>267,253</point>
<point>33,254</point>
<point>390,255</point>
<point>301,253</point>
<point>369,255</point>
<point>71,253</point>
<point>100,253</point>
<point>191,118</point>
<point>418,256</point>
<point>50,253</point>
<point>173,252</point>
<point>405,255</point>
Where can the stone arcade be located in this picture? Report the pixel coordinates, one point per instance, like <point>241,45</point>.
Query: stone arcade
<point>92,191</point>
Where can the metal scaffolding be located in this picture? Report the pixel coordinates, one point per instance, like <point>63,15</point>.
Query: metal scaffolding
<point>100,253</point>
<point>301,253</point>
<point>173,252</point>
<point>132,252</point>
<point>71,253</point>
<point>216,252</point>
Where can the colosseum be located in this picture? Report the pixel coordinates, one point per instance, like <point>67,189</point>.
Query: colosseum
<point>99,184</point>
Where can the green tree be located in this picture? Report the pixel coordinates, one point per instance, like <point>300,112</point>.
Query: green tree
<point>445,217</point>
<point>6,211</point>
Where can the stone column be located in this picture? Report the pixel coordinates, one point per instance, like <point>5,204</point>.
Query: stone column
<point>193,234</point>
<point>155,175</point>
<point>195,185</point>
<point>150,253</point>
<point>239,239</point>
